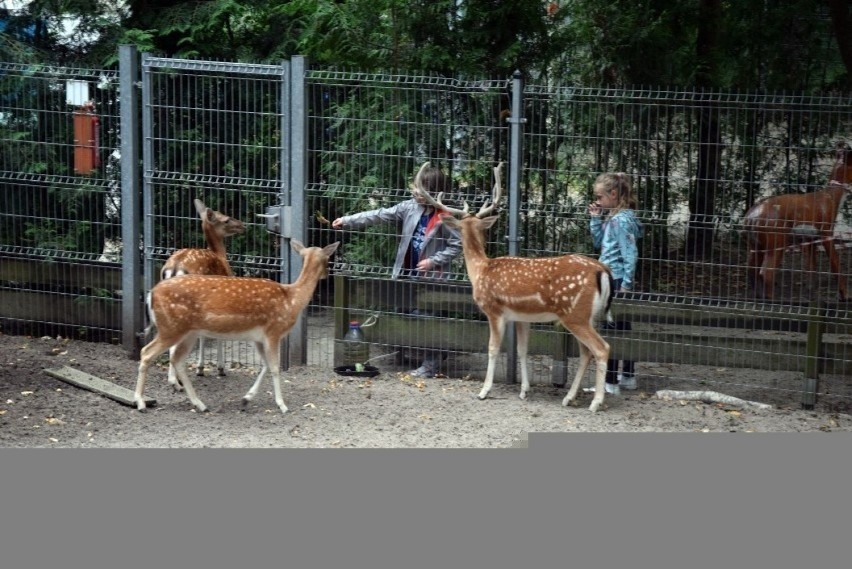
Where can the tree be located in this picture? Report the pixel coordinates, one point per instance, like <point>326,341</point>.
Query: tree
<point>703,198</point>
<point>842,21</point>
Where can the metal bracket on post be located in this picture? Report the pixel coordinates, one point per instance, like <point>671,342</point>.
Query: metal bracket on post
<point>278,220</point>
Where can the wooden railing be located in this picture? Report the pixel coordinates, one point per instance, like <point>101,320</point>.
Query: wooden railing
<point>720,332</point>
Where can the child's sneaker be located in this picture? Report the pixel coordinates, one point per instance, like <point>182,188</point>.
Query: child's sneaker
<point>424,371</point>
<point>610,388</point>
<point>627,382</point>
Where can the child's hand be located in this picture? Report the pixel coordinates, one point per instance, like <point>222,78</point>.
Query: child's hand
<point>337,223</point>
<point>425,265</point>
<point>595,209</point>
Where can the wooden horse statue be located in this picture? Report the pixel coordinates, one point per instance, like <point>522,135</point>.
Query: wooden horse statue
<point>777,222</point>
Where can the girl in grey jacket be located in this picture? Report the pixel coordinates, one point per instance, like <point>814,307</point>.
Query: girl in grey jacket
<point>426,246</point>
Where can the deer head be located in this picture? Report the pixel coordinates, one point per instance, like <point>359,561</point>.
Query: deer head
<point>484,211</point>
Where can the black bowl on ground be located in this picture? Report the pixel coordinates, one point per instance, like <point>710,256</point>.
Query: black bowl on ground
<point>350,371</point>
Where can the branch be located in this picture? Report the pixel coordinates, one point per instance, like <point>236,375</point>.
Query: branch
<point>708,397</point>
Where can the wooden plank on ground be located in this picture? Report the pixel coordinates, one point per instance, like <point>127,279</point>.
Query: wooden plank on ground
<point>96,384</point>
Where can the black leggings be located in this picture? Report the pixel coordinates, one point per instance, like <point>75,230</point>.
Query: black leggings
<point>627,366</point>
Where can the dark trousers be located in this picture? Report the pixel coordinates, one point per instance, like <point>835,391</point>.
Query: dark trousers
<point>627,366</point>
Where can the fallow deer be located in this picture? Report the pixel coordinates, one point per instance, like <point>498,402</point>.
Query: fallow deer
<point>210,261</point>
<point>576,290</point>
<point>776,223</point>
<point>262,311</point>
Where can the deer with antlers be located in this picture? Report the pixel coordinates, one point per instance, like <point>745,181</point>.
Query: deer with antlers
<point>574,289</point>
<point>776,223</point>
<point>210,261</point>
<point>262,311</point>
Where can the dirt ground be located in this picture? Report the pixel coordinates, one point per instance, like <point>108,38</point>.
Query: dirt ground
<point>327,410</point>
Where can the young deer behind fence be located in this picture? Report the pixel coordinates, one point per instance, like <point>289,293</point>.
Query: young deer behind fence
<point>210,261</point>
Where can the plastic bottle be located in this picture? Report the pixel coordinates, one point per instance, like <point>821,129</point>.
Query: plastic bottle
<point>356,350</point>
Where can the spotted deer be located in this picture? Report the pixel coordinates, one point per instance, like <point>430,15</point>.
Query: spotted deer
<point>210,261</point>
<point>779,222</point>
<point>575,290</point>
<point>262,311</point>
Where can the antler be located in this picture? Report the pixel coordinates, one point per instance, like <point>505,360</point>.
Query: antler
<point>417,187</point>
<point>496,192</point>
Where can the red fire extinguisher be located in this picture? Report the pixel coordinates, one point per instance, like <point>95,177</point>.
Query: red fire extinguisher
<point>86,139</point>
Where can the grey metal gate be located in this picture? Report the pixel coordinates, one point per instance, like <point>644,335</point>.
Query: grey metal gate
<point>226,133</point>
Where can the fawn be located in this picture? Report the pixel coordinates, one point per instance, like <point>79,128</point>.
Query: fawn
<point>235,308</point>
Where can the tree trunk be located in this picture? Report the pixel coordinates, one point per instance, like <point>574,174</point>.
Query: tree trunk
<point>842,21</point>
<point>699,237</point>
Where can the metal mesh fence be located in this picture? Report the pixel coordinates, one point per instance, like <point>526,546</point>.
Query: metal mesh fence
<point>695,321</point>
<point>214,134</point>
<point>59,204</point>
<point>214,131</point>
<point>367,137</point>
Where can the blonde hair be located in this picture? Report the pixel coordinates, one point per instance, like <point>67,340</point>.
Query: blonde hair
<point>620,182</point>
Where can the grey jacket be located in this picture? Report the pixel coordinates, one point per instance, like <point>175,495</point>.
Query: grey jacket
<point>442,244</point>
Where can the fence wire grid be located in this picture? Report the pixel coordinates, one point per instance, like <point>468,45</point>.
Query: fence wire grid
<point>229,134</point>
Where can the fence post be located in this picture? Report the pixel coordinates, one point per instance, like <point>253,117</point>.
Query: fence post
<point>131,265</point>
<point>515,120</point>
<point>813,352</point>
<point>294,187</point>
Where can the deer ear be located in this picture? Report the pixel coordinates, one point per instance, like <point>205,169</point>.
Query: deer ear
<point>328,250</point>
<point>296,245</point>
<point>487,222</point>
<point>200,207</point>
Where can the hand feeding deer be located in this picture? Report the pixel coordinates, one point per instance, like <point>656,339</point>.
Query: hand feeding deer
<point>210,261</point>
<point>234,308</point>
<point>771,226</point>
<point>574,289</point>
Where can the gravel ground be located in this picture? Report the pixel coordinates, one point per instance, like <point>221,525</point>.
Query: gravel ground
<point>391,410</point>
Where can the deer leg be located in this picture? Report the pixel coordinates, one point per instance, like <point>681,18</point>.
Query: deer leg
<point>834,260</point>
<point>771,261</point>
<point>147,356</point>
<point>200,370</point>
<point>220,351</point>
<point>497,325</point>
<point>271,350</point>
<point>811,280</point>
<point>173,377</point>
<point>522,331</point>
<point>178,360</point>
<point>256,385</point>
<point>753,264</point>
<point>597,347</point>
<point>585,356</point>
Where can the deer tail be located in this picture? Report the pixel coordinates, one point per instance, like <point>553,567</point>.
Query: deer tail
<point>606,289</point>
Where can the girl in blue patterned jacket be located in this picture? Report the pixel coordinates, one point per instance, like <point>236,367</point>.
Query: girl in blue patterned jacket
<point>615,230</point>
